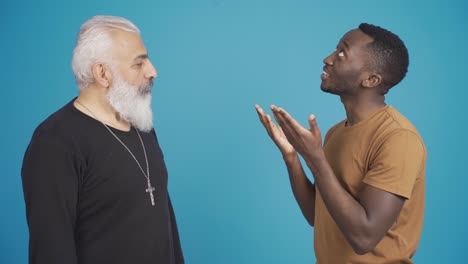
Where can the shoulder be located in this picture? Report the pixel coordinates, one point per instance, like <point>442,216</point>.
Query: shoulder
<point>393,125</point>
<point>333,129</point>
<point>58,128</point>
<point>394,128</point>
<point>398,119</point>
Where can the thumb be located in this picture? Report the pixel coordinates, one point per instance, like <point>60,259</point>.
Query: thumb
<point>313,123</point>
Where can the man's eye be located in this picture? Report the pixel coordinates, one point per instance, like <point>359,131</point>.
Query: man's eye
<point>341,54</point>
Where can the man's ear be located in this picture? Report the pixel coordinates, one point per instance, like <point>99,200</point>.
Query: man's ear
<point>101,75</point>
<point>373,80</point>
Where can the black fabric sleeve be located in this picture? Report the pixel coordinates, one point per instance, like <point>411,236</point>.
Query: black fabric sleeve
<point>179,257</point>
<point>50,185</point>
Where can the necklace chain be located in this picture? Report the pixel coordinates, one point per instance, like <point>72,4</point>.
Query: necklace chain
<point>147,174</point>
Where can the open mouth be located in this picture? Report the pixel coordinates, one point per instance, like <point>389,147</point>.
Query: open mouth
<point>324,75</point>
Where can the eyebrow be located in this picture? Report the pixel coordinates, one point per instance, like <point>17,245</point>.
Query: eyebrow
<point>142,56</point>
<point>345,43</point>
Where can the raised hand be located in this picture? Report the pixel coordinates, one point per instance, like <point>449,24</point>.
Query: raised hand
<point>275,132</point>
<point>308,142</point>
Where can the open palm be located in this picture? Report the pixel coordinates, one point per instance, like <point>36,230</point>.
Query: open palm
<point>275,132</point>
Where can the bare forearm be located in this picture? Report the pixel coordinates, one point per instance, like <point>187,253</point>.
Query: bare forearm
<point>303,189</point>
<point>348,213</point>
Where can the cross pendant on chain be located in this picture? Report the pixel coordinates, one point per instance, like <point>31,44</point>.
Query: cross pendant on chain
<point>150,190</point>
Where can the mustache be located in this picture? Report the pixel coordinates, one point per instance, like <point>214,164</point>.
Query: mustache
<point>145,88</point>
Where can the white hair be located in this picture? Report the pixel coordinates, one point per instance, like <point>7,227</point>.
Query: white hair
<point>133,103</point>
<point>93,45</point>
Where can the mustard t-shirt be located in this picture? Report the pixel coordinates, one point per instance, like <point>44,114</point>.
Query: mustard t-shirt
<point>386,152</point>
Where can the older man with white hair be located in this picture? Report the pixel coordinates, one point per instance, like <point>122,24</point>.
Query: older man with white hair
<point>94,177</point>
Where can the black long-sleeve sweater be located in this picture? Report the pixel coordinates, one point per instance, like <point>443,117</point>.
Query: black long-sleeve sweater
<point>86,199</point>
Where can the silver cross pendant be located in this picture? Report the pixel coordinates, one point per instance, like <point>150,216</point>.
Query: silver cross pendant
<point>150,190</point>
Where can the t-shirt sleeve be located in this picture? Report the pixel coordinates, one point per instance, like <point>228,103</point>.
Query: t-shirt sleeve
<point>397,162</point>
<point>50,185</point>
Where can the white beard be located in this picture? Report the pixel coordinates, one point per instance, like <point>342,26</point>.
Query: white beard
<point>131,102</point>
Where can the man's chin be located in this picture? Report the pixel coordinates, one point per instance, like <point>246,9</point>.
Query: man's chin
<point>324,88</point>
<point>328,90</point>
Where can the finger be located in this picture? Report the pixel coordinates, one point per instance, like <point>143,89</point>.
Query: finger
<point>287,130</point>
<point>275,131</point>
<point>269,126</point>
<point>313,124</point>
<point>270,122</point>
<point>289,120</point>
<point>265,119</point>
<point>278,118</point>
<point>261,114</point>
<point>273,108</point>
<point>259,109</point>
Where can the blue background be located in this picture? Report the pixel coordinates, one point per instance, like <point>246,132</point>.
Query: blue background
<point>216,59</point>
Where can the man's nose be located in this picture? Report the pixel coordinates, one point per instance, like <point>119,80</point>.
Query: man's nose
<point>329,59</point>
<point>151,72</point>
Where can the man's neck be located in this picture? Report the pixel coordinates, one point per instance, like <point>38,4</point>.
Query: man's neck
<point>360,108</point>
<point>93,103</point>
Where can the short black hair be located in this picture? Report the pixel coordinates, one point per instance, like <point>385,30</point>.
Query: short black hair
<point>388,55</point>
